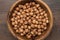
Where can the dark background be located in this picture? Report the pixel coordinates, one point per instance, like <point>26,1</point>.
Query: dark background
<point>4,8</point>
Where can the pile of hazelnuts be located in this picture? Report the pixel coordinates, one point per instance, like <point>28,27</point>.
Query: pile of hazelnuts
<point>29,20</point>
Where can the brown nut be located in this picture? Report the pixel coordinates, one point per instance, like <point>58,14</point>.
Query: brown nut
<point>29,27</point>
<point>18,17</point>
<point>14,14</point>
<point>44,24</point>
<point>17,8</point>
<point>31,13</point>
<point>36,26</point>
<point>25,26</point>
<point>16,22</point>
<point>18,13</point>
<point>45,28</point>
<point>20,30</point>
<point>37,5</point>
<point>15,11</point>
<point>26,30</point>
<point>22,27</point>
<point>20,6</point>
<point>13,23</point>
<point>47,21</point>
<point>12,19</point>
<point>39,26</point>
<point>17,31</point>
<point>39,33</point>
<point>24,7</point>
<point>21,34</point>
<point>28,36</point>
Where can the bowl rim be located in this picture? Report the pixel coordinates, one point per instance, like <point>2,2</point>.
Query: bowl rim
<point>51,24</point>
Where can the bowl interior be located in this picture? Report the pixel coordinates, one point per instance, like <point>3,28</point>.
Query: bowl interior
<point>44,6</point>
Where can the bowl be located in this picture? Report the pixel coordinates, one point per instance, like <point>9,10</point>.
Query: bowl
<point>44,6</point>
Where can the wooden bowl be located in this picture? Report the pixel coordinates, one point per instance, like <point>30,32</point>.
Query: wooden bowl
<point>44,6</point>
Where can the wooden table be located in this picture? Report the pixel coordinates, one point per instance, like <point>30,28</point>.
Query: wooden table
<point>4,8</point>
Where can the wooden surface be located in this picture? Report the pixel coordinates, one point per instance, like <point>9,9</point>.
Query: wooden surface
<point>4,8</point>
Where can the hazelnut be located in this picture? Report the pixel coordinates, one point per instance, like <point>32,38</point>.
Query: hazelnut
<point>39,20</point>
<point>37,12</point>
<point>22,27</point>
<point>32,26</point>
<point>28,36</point>
<point>20,30</point>
<point>40,23</point>
<point>35,9</point>
<point>45,14</point>
<point>39,33</point>
<point>32,3</point>
<point>13,23</point>
<point>31,13</point>
<point>29,27</point>
<point>17,8</point>
<point>17,31</point>
<point>20,10</point>
<point>23,12</point>
<point>24,7</point>
<point>45,28</point>
<point>27,14</point>
<point>29,20</point>
<point>34,15</point>
<point>27,4</point>
<point>15,28</point>
<point>25,26</point>
<point>47,21</point>
<point>27,10</point>
<point>38,26</point>
<point>21,34</point>
<point>20,6</point>
<point>40,17</point>
<point>39,30</point>
<point>34,21</point>
<point>40,10</point>
<point>16,22</point>
<point>37,5</point>
<point>44,20</point>
<point>21,21</point>
<point>18,17</point>
<point>44,24</point>
<point>32,32</point>
<point>41,13</point>
<point>18,13</point>
<point>21,16</point>
<point>12,19</point>
<point>15,11</point>
<point>25,22</point>
<point>26,30</point>
<point>13,14</point>
<point>37,17</point>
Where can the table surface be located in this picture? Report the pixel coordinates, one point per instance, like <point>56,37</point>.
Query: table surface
<point>4,8</point>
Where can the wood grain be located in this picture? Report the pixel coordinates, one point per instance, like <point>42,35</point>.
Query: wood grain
<point>4,8</point>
